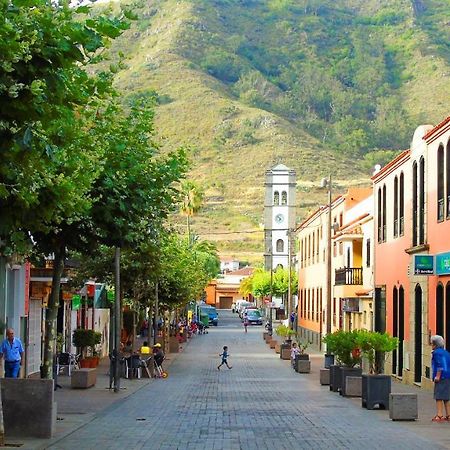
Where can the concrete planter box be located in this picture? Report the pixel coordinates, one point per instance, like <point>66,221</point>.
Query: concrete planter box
<point>265,335</point>
<point>353,386</point>
<point>273,343</point>
<point>29,409</point>
<point>348,372</point>
<point>335,378</point>
<point>301,357</point>
<point>285,352</point>
<point>303,366</point>
<point>403,406</point>
<point>375,391</point>
<point>277,348</point>
<point>83,378</point>
<point>324,377</point>
<point>174,346</point>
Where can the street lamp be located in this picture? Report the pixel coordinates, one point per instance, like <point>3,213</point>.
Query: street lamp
<point>327,183</point>
<point>289,293</point>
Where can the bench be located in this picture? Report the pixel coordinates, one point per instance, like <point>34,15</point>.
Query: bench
<point>403,406</point>
<point>83,378</point>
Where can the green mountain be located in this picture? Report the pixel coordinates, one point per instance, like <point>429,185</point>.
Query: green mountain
<point>320,85</point>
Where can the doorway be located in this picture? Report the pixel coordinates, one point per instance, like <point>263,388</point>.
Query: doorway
<point>380,309</point>
<point>418,334</point>
<point>394,327</point>
<point>401,329</point>
<point>447,316</point>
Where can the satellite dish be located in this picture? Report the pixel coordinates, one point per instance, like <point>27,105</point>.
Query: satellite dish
<point>324,182</point>
<point>377,168</point>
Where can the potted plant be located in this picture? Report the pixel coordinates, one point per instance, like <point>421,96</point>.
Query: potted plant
<point>344,345</point>
<point>301,355</point>
<point>84,339</point>
<point>286,333</point>
<point>376,386</point>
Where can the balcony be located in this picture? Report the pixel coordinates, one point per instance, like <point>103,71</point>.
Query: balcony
<point>349,276</point>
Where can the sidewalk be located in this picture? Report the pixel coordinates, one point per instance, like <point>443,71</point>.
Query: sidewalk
<point>76,407</point>
<point>437,432</point>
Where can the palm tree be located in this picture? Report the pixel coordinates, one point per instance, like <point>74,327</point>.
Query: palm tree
<point>192,200</point>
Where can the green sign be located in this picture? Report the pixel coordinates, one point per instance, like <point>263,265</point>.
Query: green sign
<point>443,263</point>
<point>76,302</point>
<point>423,264</point>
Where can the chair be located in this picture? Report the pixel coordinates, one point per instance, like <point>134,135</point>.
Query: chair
<point>69,360</point>
<point>133,367</point>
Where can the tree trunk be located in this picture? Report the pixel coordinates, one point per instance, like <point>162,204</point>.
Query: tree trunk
<point>117,319</point>
<point>52,314</point>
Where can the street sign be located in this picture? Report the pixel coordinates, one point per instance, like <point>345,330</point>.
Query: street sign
<point>443,263</point>
<point>423,264</point>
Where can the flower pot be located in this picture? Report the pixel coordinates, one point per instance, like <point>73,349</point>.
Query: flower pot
<point>329,360</point>
<point>95,361</point>
<point>87,363</point>
<point>285,351</point>
<point>335,378</point>
<point>348,372</point>
<point>265,335</point>
<point>375,391</point>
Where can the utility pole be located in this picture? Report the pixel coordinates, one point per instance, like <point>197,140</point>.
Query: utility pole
<point>289,299</point>
<point>329,286</point>
<point>271,283</point>
<point>155,319</point>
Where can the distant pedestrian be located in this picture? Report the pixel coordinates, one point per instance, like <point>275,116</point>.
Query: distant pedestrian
<point>440,364</point>
<point>245,322</point>
<point>12,350</point>
<point>224,356</point>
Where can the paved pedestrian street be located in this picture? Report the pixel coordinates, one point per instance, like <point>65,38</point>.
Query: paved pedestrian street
<point>261,403</point>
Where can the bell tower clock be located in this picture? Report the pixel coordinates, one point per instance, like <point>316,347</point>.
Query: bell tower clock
<point>279,215</point>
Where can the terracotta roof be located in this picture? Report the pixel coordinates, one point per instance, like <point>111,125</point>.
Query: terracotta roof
<point>436,128</point>
<point>317,211</point>
<point>244,271</point>
<point>391,164</point>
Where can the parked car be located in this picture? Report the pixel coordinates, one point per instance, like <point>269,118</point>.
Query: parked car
<point>254,317</point>
<point>243,305</point>
<point>211,311</point>
<point>246,309</point>
<point>238,303</point>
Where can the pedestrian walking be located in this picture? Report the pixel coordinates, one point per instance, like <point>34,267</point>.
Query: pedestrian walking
<point>12,350</point>
<point>245,322</point>
<point>440,364</point>
<point>224,356</point>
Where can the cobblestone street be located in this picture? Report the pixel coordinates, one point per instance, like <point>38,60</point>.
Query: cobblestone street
<point>260,404</point>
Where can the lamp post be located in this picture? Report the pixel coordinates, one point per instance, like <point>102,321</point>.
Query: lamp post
<point>327,183</point>
<point>289,293</point>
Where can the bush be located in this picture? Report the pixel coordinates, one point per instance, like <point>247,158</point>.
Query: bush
<point>344,345</point>
<point>374,346</point>
<point>86,338</point>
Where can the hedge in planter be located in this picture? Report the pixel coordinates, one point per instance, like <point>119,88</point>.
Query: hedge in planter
<point>376,387</point>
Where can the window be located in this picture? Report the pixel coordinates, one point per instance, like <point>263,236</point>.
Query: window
<point>395,207</point>
<point>276,198</point>
<point>384,213</point>
<point>280,246</point>
<point>380,235</point>
<point>440,184</point>
<point>422,202</point>
<point>368,253</point>
<point>447,162</point>
<point>284,198</point>
<point>401,213</point>
<point>414,205</point>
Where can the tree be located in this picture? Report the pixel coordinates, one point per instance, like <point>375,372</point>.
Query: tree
<point>46,93</point>
<point>192,200</point>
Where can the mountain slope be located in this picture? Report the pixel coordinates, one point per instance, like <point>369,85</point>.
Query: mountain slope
<point>317,85</point>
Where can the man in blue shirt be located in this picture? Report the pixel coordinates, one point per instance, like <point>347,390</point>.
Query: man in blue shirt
<point>12,350</point>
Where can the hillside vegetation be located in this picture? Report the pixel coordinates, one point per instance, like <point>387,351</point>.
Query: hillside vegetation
<point>319,85</point>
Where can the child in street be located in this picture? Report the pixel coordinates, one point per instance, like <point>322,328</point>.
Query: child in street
<point>224,356</point>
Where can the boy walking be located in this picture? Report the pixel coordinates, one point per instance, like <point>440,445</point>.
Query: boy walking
<point>224,356</point>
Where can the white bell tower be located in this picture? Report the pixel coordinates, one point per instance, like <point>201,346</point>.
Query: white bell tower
<point>279,216</point>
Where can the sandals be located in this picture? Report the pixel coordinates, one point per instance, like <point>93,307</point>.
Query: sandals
<point>440,419</point>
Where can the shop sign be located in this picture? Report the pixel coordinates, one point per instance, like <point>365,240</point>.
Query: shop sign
<point>76,302</point>
<point>423,264</point>
<point>443,263</point>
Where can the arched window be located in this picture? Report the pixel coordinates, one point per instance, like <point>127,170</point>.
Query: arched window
<point>401,212</point>
<point>440,318</point>
<point>422,202</point>
<point>447,184</point>
<point>379,218</point>
<point>395,207</point>
<point>280,246</point>
<point>276,198</point>
<point>284,198</point>
<point>440,183</point>
<point>414,205</point>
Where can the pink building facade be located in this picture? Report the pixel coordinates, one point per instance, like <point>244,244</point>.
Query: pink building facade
<point>412,250</point>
